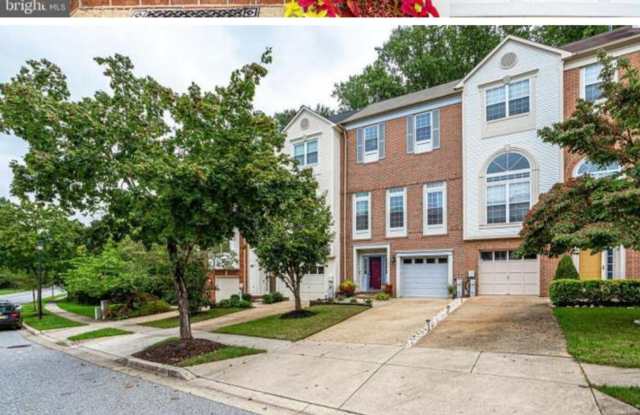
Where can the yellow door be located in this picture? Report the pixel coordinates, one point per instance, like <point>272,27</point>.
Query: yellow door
<point>590,265</point>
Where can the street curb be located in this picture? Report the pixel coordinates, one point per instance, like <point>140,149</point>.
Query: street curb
<point>158,368</point>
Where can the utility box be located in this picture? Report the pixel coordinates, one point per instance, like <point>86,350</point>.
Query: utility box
<point>472,284</point>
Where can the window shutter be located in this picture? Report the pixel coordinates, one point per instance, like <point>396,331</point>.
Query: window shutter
<point>359,145</point>
<point>435,119</point>
<point>410,133</point>
<point>381,140</point>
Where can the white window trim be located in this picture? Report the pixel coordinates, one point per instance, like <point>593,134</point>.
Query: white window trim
<point>434,229</point>
<point>305,144</point>
<point>372,155</point>
<point>422,146</point>
<point>507,184</point>
<point>361,234</point>
<point>507,116</point>
<point>583,86</point>
<point>399,231</point>
<point>583,161</point>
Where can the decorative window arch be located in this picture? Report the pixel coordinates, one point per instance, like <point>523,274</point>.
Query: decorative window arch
<point>508,188</point>
<point>587,167</point>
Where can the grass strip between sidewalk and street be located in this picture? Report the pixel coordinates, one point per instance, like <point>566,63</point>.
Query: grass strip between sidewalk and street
<point>602,335</point>
<point>171,322</point>
<point>293,329</point>
<point>627,394</point>
<point>95,334</point>
<point>224,353</point>
<point>49,320</point>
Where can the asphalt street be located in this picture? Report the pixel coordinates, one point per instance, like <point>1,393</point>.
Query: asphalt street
<point>27,296</point>
<point>37,380</point>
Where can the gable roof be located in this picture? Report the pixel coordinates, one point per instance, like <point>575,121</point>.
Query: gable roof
<point>341,116</point>
<point>304,108</point>
<point>438,91</point>
<point>511,38</point>
<point>601,39</point>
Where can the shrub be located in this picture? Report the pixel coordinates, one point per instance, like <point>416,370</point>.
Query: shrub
<point>224,303</point>
<point>354,300</point>
<point>570,292</point>
<point>566,270</point>
<point>347,288</point>
<point>277,297</point>
<point>382,297</point>
<point>234,301</point>
<point>267,298</point>
<point>247,297</point>
<point>121,311</point>
<point>368,302</point>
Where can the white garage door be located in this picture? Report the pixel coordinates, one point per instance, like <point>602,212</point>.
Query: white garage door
<point>424,277</point>
<point>501,273</point>
<point>584,8</point>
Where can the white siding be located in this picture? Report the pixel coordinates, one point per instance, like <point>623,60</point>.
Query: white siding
<point>545,70</point>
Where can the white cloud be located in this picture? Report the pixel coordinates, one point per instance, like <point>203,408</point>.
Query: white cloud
<point>308,60</point>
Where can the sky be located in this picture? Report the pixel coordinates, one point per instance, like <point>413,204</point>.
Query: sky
<point>307,60</point>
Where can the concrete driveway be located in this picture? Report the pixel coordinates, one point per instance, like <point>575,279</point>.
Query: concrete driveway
<point>390,323</point>
<point>501,324</point>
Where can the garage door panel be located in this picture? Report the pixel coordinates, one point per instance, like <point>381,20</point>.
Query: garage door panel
<point>509,277</point>
<point>424,280</point>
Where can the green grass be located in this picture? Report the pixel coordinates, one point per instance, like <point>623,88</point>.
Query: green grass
<point>605,336</point>
<point>294,329</point>
<point>85,310</point>
<point>6,291</point>
<point>106,332</point>
<point>49,321</point>
<point>628,394</point>
<point>167,323</point>
<point>226,352</point>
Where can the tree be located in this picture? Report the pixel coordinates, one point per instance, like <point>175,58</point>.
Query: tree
<point>419,57</point>
<point>566,269</point>
<point>594,213</point>
<point>285,116</point>
<point>297,241</point>
<point>36,239</point>
<point>183,170</point>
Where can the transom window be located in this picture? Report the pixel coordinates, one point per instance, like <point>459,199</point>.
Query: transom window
<point>592,82</point>
<point>423,127</point>
<point>508,188</point>
<point>508,100</point>
<point>306,153</point>
<point>587,167</point>
<point>371,139</point>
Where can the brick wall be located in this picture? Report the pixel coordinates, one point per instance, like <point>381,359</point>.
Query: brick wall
<point>412,171</point>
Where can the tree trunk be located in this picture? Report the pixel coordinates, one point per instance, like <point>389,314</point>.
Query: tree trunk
<point>296,295</point>
<point>40,295</point>
<point>181,292</point>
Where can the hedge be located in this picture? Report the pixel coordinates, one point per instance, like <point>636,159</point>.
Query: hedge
<point>595,292</point>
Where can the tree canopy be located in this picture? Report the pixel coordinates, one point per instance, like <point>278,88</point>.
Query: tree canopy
<point>590,212</point>
<point>419,57</point>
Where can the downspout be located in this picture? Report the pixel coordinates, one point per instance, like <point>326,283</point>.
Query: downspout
<point>344,205</point>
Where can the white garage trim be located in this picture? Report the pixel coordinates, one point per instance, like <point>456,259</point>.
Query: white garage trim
<point>435,253</point>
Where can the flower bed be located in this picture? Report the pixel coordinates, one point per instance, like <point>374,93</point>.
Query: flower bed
<point>362,8</point>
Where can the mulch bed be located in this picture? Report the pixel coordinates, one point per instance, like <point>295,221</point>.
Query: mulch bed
<point>174,351</point>
<point>297,314</point>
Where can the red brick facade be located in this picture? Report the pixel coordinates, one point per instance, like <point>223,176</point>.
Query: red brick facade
<point>412,171</point>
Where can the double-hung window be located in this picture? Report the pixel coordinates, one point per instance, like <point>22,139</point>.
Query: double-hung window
<point>508,100</point>
<point>362,215</point>
<point>592,83</point>
<point>396,212</point>
<point>306,153</point>
<point>370,143</point>
<point>435,212</point>
<point>508,192</point>
<point>423,129</point>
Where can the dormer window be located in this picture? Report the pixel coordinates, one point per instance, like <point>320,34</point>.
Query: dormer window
<point>507,100</point>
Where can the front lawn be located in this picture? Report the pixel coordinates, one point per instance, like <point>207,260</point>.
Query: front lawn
<point>605,336</point>
<point>49,321</point>
<point>294,329</point>
<point>106,332</point>
<point>167,323</point>
<point>85,310</point>
<point>628,394</point>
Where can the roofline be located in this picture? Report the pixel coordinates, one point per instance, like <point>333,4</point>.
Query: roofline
<point>613,43</point>
<point>561,52</point>
<point>305,108</point>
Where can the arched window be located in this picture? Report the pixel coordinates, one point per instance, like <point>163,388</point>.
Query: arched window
<point>508,188</point>
<point>597,170</point>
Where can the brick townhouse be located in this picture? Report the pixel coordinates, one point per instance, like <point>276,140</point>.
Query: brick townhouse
<point>435,184</point>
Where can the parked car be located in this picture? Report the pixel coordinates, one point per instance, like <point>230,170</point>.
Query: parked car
<point>10,315</point>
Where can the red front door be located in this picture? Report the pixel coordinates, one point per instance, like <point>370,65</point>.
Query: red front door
<point>375,273</point>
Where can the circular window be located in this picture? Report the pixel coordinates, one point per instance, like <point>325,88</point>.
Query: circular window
<point>508,60</point>
<point>304,124</point>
